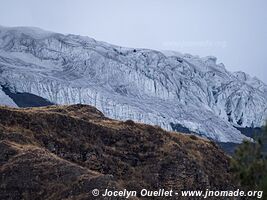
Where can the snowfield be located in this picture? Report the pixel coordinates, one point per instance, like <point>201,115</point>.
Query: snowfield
<point>124,83</point>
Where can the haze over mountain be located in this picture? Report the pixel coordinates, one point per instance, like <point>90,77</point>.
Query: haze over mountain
<point>170,90</point>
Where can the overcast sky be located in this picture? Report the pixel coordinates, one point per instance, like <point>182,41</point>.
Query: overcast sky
<point>235,31</point>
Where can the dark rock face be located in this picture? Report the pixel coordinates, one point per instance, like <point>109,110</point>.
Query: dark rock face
<point>63,152</point>
<point>25,99</point>
<point>230,147</point>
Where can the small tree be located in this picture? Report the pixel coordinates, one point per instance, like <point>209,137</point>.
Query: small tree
<point>249,164</point>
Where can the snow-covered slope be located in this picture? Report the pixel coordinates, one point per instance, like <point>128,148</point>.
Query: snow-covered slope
<point>139,84</point>
<point>5,99</point>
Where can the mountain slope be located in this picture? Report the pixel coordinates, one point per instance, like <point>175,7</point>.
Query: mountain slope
<point>63,152</point>
<point>5,99</point>
<point>138,84</point>
<point>23,99</point>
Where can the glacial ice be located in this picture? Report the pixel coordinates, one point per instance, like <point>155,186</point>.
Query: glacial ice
<point>125,83</point>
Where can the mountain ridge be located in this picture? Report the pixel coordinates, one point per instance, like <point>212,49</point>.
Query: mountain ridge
<point>64,152</point>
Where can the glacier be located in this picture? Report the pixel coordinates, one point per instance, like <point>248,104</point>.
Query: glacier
<point>148,86</point>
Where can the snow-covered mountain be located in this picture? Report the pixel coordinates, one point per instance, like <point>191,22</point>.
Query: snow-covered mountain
<point>169,90</point>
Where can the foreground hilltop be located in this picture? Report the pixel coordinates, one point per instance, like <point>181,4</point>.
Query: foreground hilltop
<point>63,152</point>
<point>174,91</point>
